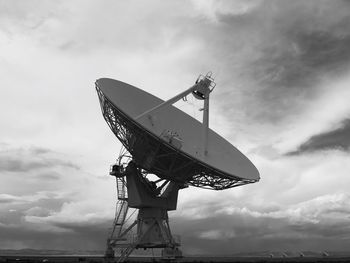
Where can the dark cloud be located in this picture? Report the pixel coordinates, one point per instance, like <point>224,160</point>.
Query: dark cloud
<point>27,235</point>
<point>217,233</point>
<point>305,58</point>
<point>244,233</point>
<point>323,51</point>
<point>275,57</point>
<point>12,218</point>
<point>335,139</point>
<point>88,228</point>
<point>318,224</point>
<point>15,228</point>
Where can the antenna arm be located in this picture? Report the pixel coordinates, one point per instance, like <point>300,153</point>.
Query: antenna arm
<point>205,124</point>
<point>169,102</point>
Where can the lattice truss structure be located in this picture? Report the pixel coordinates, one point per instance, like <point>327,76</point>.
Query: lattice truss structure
<point>151,153</point>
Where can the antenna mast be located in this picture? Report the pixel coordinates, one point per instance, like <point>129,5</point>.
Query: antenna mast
<point>203,86</point>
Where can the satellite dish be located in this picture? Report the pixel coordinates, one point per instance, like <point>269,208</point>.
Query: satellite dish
<point>172,132</point>
<point>164,141</point>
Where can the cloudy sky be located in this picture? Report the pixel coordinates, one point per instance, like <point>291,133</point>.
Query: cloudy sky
<point>282,97</point>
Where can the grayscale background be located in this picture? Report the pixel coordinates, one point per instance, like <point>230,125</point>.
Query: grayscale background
<point>282,98</point>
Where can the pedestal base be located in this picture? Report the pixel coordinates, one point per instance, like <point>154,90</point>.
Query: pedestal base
<point>153,229</point>
<point>171,253</point>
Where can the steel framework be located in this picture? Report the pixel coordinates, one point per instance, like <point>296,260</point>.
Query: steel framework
<point>152,217</point>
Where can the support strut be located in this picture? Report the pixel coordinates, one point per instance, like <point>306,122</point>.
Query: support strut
<point>153,230</point>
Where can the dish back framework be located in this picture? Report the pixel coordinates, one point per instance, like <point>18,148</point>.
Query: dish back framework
<point>154,154</point>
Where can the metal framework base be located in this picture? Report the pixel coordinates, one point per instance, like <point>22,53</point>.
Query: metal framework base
<point>152,223</point>
<point>153,231</point>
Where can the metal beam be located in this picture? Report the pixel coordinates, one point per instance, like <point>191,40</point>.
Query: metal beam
<point>205,124</point>
<point>168,102</point>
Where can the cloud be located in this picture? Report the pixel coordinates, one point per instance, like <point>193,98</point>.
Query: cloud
<point>45,204</point>
<point>24,225</point>
<point>5,198</point>
<point>327,112</point>
<point>212,10</point>
<point>38,237</point>
<point>278,213</point>
<point>335,139</point>
<point>42,226</point>
<point>73,214</point>
<point>276,63</point>
<point>37,211</point>
<point>26,18</point>
<point>45,198</point>
<point>16,208</point>
<point>25,160</point>
<point>68,27</point>
<point>314,223</point>
<point>48,176</point>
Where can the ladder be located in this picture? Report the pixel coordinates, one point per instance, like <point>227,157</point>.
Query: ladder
<point>120,213</point>
<point>121,188</point>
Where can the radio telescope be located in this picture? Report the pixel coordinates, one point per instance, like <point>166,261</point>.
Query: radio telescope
<point>165,150</point>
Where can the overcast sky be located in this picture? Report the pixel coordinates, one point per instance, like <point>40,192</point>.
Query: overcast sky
<point>282,98</point>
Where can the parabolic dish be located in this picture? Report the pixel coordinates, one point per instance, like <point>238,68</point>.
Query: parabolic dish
<point>147,139</point>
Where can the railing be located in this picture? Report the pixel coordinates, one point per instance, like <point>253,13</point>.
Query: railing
<point>121,188</point>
